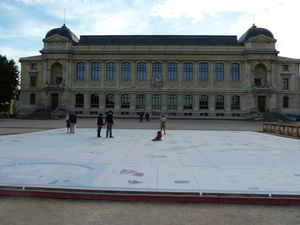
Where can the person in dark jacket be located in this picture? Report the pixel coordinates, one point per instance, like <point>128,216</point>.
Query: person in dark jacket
<point>109,122</point>
<point>73,121</point>
<point>99,124</point>
<point>147,116</point>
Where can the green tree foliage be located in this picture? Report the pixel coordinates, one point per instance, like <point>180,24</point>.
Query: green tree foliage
<point>9,80</point>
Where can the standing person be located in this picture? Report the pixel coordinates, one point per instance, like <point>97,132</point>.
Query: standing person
<point>68,122</point>
<point>147,116</point>
<point>141,117</point>
<point>163,121</point>
<point>73,121</point>
<point>109,122</point>
<point>99,124</point>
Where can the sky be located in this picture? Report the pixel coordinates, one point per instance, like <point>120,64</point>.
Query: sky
<point>24,23</point>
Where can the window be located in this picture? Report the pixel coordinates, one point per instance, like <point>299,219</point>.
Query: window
<point>285,67</point>
<point>94,101</point>
<point>285,84</point>
<point>79,101</point>
<point>110,71</point>
<point>125,101</point>
<point>95,74</point>
<point>235,102</point>
<point>140,101</point>
<point>80,71</point>
<point>203,71</point>
<point>109,101</point>
<point>155,102</point>
<point>33,66</point>
<point>203,102</point>
<point>219,71</point>
<point>172,71</point>
<point>285,102</point>
<point>219,104</point>
<point>188,102</point>
<point>172,102</point>
<point>156,69</point>
<point>141,71</point>
<point>126,71</point>
<point>235,71</point>
<point>187,71</point>
<point>32,81</point>
<point>32,99</point>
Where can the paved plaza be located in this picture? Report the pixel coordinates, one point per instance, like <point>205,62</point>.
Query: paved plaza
<point>184,161</point>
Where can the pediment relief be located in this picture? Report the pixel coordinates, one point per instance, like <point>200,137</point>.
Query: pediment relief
<point>262,39</point>
<point>56,38</point>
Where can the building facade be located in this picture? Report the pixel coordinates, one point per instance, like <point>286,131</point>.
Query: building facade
<point>199,76</point>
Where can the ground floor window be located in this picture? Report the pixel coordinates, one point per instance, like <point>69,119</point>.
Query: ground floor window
<point>94,101</point>
<point>155,102</point>
<point>79,101</point>
<point>172,102</point>
<point>109,101</point>
<point>219,103</point>
<point>140,101</point>
<point>203,102</point>
<point>125,103</point>
<point>188,102</point>
<point>235,102</point>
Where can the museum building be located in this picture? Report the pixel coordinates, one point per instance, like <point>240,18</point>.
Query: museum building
<point>198,76</point>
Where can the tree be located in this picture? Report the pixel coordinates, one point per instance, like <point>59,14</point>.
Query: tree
<point>9,81</point>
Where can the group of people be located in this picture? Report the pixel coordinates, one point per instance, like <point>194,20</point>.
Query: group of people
<point>71,121</point>
<point>109,122</point>
<point>147,116</point>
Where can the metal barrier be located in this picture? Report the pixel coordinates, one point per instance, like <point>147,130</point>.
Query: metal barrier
<point>289,130</point>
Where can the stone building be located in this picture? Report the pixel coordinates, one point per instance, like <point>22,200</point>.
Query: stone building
<point>199,76</point>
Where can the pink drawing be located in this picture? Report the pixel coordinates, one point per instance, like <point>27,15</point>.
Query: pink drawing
<point>131,172</point>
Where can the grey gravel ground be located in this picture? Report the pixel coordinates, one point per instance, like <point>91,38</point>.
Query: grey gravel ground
<point>43,211</point>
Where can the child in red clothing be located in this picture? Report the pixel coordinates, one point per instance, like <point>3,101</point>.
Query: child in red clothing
<point>158,136</point>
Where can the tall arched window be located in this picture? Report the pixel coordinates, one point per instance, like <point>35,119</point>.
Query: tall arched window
<point>95,72</point>
<point>141,71</point>
<point>140,102</point>
<point>94,101</point>
<point>79,101</point>
<point>80,71</point>
<point>56,73</point>
<point>110,71</point>
<point>235,71</point>
<point>125,103</point>
<point>172,71</point>
<point>156,102</point>
<point>203,71</point>
<point>110,101</point>
<point>126,71</point>
<point>219,103</point>
<point>235,102</point>
<point>156,69</point>
<point>187,71</point>
<point>219,71</point>
<point>172,102</point>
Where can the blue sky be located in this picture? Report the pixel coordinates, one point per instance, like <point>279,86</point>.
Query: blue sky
<point>24,23</point>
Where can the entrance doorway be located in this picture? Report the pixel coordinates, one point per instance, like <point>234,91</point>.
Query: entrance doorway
<point>54,101</point>
<point>261,103</point>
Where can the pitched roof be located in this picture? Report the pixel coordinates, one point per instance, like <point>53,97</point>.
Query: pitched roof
<point>157,40</point>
